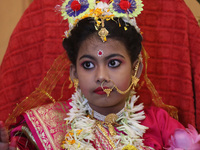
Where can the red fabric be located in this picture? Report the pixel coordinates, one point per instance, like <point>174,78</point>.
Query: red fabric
<point>171,37</point>
<point>161,127</point>
<point>34,44</point>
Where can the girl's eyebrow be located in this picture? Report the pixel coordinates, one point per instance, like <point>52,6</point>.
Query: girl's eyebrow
<point>114,55</point>
<point>87,56</point>
<point>106,58</point>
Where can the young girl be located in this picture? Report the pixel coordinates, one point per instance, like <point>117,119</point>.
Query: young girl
<point>114,64</point>
<point>104,47</point>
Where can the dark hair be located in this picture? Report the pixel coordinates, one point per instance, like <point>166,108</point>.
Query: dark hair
<point>86,27</point>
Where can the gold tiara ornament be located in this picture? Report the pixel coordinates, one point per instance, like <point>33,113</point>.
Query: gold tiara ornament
<point>75,10</point>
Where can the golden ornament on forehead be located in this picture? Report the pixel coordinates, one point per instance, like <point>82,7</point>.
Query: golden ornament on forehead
<point>103,33</point>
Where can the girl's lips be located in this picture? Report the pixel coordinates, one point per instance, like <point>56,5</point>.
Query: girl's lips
<point>100,91</point>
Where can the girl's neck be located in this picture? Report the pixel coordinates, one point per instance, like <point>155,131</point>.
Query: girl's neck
<point>100,116</point>
<point>108,110</point>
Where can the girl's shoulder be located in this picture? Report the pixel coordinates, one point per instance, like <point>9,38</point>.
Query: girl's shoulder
<point>161,126</point>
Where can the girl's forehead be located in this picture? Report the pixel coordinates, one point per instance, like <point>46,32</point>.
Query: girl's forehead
<point>95,45</point>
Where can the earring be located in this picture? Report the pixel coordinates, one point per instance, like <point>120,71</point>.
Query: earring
<point>135,80</point>
<point>76,84</point>
<point>71,83</point>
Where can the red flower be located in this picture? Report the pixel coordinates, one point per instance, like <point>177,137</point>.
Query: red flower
<point>106,1</point>
<point>75,5</point>
<point>124,5</point>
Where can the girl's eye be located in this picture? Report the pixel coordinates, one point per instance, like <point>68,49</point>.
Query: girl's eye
<point>114,63</point>
<point>88,65</point>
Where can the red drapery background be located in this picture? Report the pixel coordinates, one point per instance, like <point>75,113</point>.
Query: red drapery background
<point>171,38</point>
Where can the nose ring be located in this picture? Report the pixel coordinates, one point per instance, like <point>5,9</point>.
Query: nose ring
<point>107,90</point>
<point>132,85</point>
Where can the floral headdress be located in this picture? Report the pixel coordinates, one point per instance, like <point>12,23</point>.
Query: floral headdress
<point>75,10</point>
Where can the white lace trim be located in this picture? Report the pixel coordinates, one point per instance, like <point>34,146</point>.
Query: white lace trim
<point>99,116</point>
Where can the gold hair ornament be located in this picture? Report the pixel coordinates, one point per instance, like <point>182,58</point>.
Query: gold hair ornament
<point>103,32</point>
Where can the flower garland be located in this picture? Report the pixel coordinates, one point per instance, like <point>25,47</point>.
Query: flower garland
<point>81,128</point>
<point>75,10</point>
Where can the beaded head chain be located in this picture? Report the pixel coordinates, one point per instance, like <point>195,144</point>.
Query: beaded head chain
<point>75,10</point>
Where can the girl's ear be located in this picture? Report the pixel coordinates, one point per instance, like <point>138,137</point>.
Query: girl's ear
<point>73,72</point>
<point>139,70</point>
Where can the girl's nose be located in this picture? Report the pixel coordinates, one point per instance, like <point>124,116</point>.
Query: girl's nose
<point>102,74</point>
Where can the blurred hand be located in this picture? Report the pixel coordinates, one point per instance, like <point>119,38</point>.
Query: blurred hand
<point>4,139</point>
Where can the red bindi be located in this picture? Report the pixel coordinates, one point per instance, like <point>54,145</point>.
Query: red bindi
<point>99,53</point>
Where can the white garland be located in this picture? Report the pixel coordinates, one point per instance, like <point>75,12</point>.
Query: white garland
<point>78,121</point>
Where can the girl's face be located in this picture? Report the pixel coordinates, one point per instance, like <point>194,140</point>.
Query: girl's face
<point>98,62</point>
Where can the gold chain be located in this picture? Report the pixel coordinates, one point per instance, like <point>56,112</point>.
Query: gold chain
<point>103,130</point>
<point>134,81</point>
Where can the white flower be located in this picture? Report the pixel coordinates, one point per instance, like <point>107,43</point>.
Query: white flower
<point>132,22</point>
<point>104,7</point>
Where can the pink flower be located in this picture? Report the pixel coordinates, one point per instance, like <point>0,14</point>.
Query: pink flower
<point>187,139</point>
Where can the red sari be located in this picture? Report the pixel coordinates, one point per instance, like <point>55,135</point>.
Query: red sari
<point>48,128</point>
